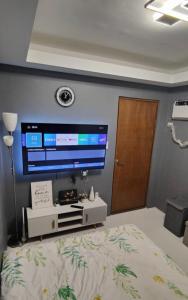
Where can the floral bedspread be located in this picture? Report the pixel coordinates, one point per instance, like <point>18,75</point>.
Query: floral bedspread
<point>114,264</point>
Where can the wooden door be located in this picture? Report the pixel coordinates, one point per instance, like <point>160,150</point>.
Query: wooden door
<point>134,142</point>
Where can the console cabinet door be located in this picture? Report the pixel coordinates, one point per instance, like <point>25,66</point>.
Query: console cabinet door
<point>94,215</point>
<point>42,225</point>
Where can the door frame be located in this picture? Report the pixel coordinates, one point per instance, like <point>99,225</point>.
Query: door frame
<point>133,99</point>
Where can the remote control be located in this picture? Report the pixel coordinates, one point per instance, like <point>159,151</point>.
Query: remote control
<point>77,206</point>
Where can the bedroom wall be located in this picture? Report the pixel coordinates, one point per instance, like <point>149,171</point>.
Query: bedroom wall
<point>176,159</point>
<point>2,202</point>
<point>31,95</point>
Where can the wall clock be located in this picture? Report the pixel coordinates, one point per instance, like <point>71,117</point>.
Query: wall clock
<point>65,96</point>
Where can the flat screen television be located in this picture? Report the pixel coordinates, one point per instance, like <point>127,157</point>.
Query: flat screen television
<point>62,147</point>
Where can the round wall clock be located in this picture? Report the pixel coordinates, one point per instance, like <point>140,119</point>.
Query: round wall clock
<point>65,96</point>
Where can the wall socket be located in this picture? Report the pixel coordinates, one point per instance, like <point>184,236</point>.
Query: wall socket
<point>85,173</point>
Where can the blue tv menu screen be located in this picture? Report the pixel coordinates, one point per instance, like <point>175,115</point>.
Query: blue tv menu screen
<point>62,147</point>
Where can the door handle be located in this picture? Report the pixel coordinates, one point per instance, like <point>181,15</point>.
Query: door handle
<point>86,218</point>
<point>53,224</point>
<point>119,163</point>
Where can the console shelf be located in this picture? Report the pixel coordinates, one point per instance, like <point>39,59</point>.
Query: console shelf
<point>68,219</point>
<point>69,227</point>
<point>61,218</point>
<point>69,223</point>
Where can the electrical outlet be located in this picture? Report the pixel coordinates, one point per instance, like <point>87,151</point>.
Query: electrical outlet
<point>85,173</point>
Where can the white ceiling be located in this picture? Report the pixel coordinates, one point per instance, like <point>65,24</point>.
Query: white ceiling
<point>117,29</point>
<point>104,38</point>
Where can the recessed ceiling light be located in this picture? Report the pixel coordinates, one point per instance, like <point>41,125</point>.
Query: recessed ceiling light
<point>177,9</point>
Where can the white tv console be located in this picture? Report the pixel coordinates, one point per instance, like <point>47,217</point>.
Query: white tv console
<point>61,218</point>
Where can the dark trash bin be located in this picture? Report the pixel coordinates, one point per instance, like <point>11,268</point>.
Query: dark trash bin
<point>176,215</point>
<point>185,239</point>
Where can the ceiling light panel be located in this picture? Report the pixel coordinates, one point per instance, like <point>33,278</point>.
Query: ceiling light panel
<point>165,20</point>
<point>175,8</point>
<point>185,4</point>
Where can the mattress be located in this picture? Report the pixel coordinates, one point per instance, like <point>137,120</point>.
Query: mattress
<point>113,264</point>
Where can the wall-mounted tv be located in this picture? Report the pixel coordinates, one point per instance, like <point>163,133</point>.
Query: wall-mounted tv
<point>62,147</point>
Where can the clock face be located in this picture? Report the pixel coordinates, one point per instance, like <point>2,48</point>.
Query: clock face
<point>65,96</point>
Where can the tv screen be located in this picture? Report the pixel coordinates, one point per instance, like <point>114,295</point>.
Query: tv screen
<point>62,147</point>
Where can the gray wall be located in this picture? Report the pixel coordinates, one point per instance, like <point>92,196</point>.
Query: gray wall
<point>31,95</point>
<point>2,202</point>
<point>175,164</point>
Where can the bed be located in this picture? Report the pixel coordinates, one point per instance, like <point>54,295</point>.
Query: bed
<point>113,264</point>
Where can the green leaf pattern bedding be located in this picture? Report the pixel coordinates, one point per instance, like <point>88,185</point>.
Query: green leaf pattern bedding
<point>113,264</point>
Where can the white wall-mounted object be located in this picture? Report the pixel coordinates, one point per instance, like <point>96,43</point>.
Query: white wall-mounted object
<point>10,121</point>
<point>175,139</point>
<point>61,218</point>
<point>180,110</point>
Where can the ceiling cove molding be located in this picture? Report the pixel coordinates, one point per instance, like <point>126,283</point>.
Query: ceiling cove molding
<point>92,66</point>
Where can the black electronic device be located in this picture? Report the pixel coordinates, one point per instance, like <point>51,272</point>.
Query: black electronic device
<point>77,206</point>
<point>68,197</point>
<point>62,147</point>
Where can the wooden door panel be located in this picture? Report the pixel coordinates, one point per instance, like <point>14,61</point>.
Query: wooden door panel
<point>135,135</point>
